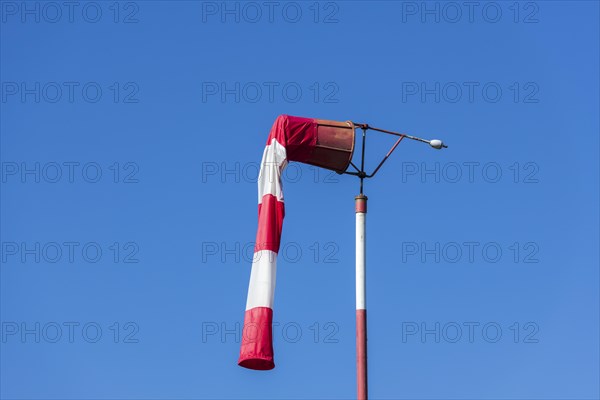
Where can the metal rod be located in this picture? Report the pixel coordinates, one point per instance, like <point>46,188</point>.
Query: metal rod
<point>386,156</point>
<point>361,300</point>
<point>366,126</point>
<point>364,141</point>
<point>351,173</point>
<point>362,159</point>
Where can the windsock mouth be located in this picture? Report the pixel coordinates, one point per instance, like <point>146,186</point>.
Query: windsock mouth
<point>334,145</point>
<point>260,364</point>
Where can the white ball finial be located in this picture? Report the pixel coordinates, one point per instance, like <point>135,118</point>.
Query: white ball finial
<point>436,144</point>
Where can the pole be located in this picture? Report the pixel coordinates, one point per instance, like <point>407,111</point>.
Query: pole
<point>361,303</point>
<point>361,261</point>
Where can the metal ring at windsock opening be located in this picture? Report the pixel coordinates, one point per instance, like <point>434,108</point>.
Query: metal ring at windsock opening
<point>335,145</point>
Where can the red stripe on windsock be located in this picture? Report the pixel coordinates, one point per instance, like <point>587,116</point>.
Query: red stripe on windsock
<point>257,339</point>
<point>270,220</point>
<point>297,134</point>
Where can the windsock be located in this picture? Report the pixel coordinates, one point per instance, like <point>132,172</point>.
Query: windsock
<point>327,144</point>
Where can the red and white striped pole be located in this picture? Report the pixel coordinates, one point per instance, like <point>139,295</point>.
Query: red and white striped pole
<point>361,301</point>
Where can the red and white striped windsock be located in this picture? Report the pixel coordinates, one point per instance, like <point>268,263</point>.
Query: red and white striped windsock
<point>291,139</point>
<point>323,143</point>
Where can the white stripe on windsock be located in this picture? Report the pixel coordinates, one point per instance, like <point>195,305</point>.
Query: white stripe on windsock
<point>261,290</point>
<point>269,179</point>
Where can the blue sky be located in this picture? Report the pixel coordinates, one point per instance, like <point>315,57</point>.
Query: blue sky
<point>130,137</point>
